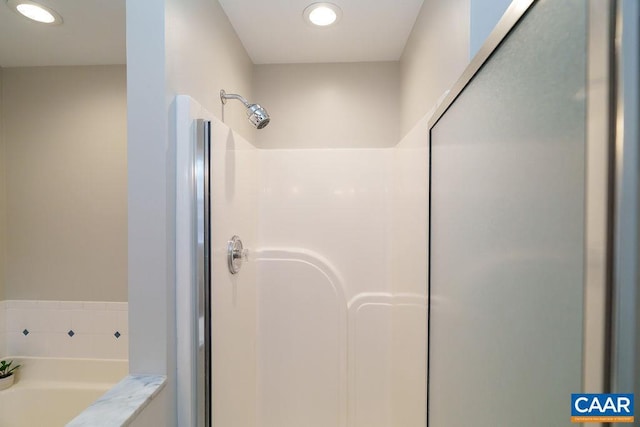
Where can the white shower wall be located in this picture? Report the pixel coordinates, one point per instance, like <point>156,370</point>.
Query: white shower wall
<point>341,325</point>
<point>234,172</point>
<point>409,249</point>
<point>334,202</point>
<point>326,323</point>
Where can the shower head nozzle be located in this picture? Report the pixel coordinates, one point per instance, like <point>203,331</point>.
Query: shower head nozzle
<point>257,115</point>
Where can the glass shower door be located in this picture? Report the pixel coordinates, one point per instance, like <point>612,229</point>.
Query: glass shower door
<point>508,230</point>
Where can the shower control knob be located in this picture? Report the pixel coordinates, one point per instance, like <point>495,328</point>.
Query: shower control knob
<point>236,254</point>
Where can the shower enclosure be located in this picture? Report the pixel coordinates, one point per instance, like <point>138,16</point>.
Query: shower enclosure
<point>310,330</point>
<point>323,316</point>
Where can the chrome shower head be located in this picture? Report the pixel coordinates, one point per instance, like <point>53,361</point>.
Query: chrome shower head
<point>257,115</point>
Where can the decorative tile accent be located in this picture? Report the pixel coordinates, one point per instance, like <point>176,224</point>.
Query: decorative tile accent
<point>51,324</point>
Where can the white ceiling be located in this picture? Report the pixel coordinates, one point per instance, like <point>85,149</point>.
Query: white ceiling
<point>93,33</point>
<point>274,31</point>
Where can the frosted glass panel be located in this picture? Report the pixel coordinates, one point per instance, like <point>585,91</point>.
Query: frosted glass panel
<point>507,231</point>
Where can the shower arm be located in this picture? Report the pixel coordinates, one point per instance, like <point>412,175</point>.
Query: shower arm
<point>257,115</point>
<point>224,96</point>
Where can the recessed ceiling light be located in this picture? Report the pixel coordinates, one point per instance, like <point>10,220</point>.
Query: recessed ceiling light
<point>35,11</point>
<point>322,14</point>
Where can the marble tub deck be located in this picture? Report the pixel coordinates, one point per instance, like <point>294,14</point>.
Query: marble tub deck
<point>120,405</point>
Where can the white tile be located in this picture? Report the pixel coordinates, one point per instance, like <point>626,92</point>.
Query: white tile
<point>33,344</point>
<point>117,306</point>
<point>57,344</point>
<point>85,346</point>
<point>105,322</point>
<point>102,347</point>
<point>63,346</point>
<point>94,305</point>
<point>15,342</point>
<point>19,319</point>
<point>122,347</point>
<point>80,345</point>
<point>38,344</point>
<point>71,305</point>
<point>108,346</point>
<point>34,319</point>
<point>48,305</point>
<point>82,321</point>
<point>24,304</point>
<point>48,323</point>
<point>53,320</point>
<point>123,322</point>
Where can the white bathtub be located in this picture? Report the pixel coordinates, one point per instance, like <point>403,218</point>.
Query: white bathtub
<point>50,392</point>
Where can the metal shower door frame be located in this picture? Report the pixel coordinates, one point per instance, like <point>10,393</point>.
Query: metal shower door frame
<point>203,273</point>
<point>625,358</point>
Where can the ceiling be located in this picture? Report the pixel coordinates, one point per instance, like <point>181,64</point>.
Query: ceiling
<point>93,33</point>
<point>274,31</point>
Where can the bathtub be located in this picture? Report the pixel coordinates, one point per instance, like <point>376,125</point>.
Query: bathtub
<point>51,391</point>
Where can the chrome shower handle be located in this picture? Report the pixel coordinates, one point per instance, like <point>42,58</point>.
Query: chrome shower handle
<point>236,254</point>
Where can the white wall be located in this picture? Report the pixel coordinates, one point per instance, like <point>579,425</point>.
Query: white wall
<point>342,105</point>
<point>172,47</point>
<point>445,36</point>
<point>65,145</point>
<point>150,203</point>
<point>436,53</point>
<point>204,55</point>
